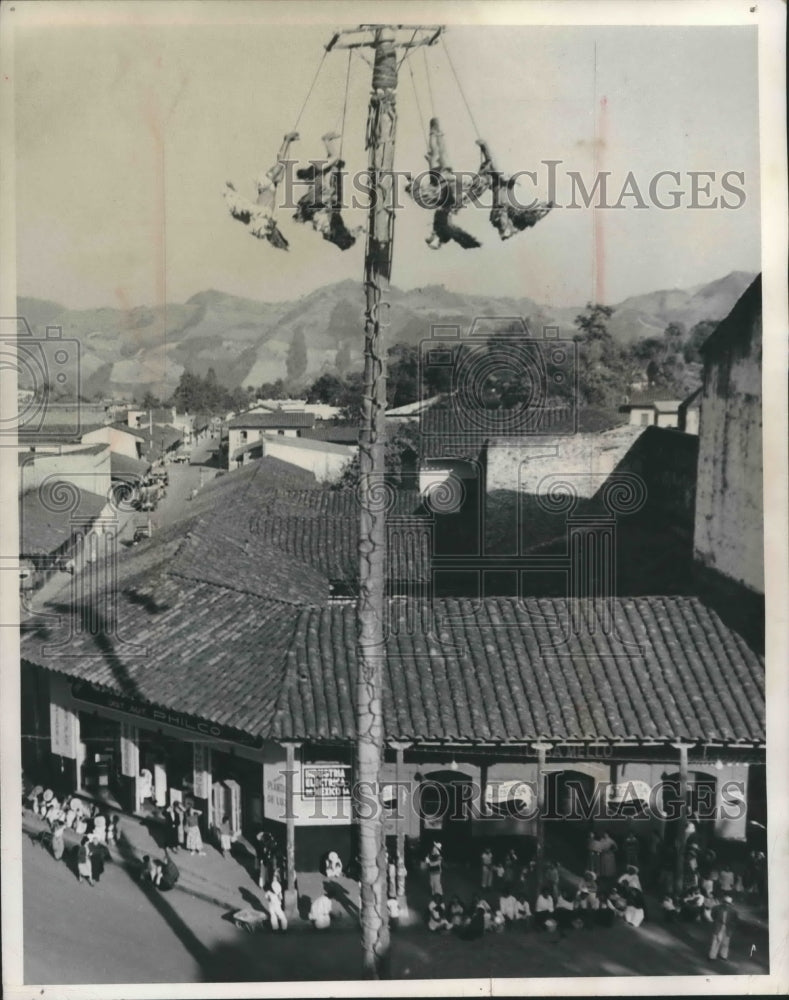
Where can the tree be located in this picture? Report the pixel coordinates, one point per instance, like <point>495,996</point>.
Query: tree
<point>696,338</point>
<point>150,402</point>
<point>296,362</point>
<point>674,334</point>
<point>326,389</point>
<point>272,390</point>
<point>350,398</point>
<point>603,369</point>
<point>402,384</point>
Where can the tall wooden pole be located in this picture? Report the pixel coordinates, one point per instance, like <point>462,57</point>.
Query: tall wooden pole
<point>542,751</point>
<point>385,41</point>
<point>290,825</point>
<point>682,831</point>
<point>381,125</point>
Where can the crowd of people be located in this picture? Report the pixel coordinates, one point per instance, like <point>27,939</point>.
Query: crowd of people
<point>608,893</point>
<point>96,829</point>
<point>512,892</point>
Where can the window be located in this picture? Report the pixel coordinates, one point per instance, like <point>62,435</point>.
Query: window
<point>646,419</point>
<point>243,437</point>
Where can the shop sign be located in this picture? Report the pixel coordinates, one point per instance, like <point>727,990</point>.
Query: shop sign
<point>161,716</point>
<point>498,793</point>
<point>202,770</point>
<point>63,730</point>
<point>275,791</point>
<point>130,753</point>
<point>629,791</point>
<point>326,782</point>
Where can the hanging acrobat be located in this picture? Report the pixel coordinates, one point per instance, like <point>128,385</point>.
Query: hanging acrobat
<point>322,202</point>
<point>445,193</point>
<point>506,215</point>
<point>259,216</point>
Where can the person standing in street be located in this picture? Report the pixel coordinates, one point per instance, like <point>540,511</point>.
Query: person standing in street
<point>486,860</point>
<point>194,842</point>
<point>435,864</point>
<point>607,848</point>
<point>84,868</point>
<point>263,852</point>
<point>279,922</point>
<point>724,922</point>
<point>225,836</point>
<point>171,822</point>
<point>58,844</point>
<point>98,855</point>
<point>180,824</point>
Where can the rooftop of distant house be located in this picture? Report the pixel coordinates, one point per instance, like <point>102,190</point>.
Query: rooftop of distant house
<point>653,397</point>
<point>284,419</point>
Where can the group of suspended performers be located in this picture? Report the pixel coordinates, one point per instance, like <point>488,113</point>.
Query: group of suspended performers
<point>320,205</point>
<point>444,192</point>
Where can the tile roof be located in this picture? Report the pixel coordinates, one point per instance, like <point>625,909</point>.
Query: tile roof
<point>52,433</point>
<point>273,669</point>
<point>48,516</point>
<point>648,397</point>
<point>223,660</point>
<point>137,432</point>
<point>491,671</point>
<point>337,433</point>
<point>122,465</point>
<point>217,553</point>
<point>280,418</point>
<point>305,444</point>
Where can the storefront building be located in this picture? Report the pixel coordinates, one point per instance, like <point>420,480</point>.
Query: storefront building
<point>502,719</point>
<point>140,758</point>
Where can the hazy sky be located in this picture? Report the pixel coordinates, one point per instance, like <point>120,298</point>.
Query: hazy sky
<point>126,135</point>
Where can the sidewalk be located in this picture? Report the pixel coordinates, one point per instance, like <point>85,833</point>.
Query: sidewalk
<point>230,883</point>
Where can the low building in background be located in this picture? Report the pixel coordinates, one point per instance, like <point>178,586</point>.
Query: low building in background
<point>247,428</point>
<point>652,407</point>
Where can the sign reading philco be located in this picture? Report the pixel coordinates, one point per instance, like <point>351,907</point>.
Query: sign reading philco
<point>326,782</point>
<point>161,716</point>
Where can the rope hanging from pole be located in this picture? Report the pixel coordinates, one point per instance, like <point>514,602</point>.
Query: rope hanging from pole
<point>345,102</point>
<point>429,86</point>
<point>312,87</point>
<point>418,105</point>
<point>460,87</point>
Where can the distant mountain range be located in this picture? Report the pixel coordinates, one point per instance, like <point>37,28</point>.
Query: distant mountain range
<point>126,352</point>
